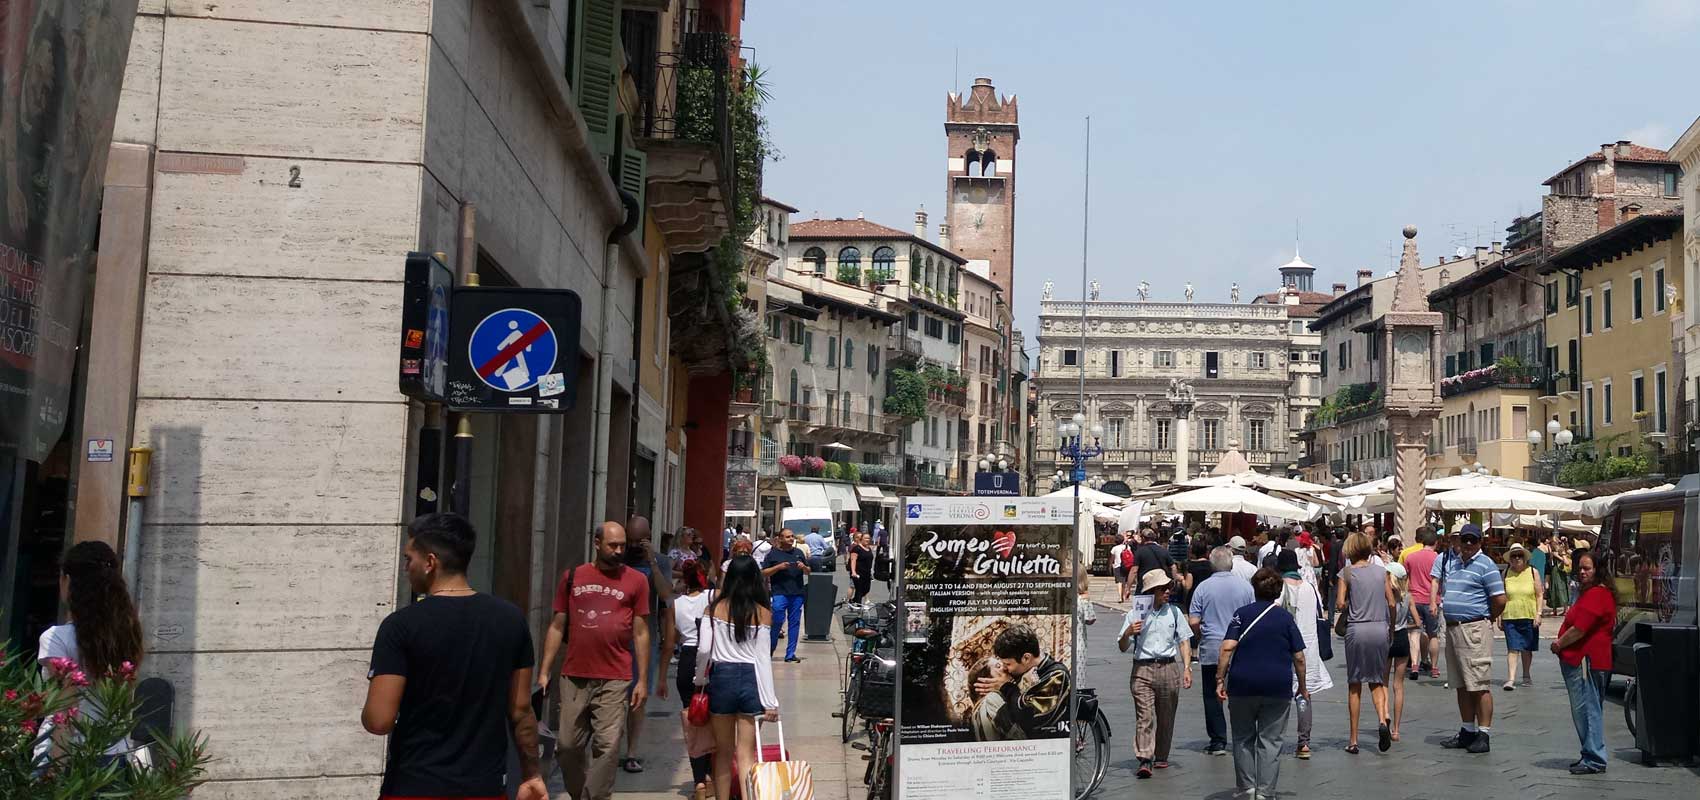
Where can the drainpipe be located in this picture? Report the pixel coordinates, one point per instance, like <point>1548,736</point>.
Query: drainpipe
<point>602,415</point>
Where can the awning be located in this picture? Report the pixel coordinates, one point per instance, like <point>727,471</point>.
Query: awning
<point>808,494</point>
<point>870,494</point>
<point>840,497</point>
<point>735,513</point>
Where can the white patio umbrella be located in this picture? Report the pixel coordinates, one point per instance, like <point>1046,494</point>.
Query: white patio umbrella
<point>1232,499</point>
<point>1368,487</point>
<point>1542,523</point>
<point>836,445</point>
<point>1599,507</point>
<point>1500,498</point>
<point>1089,494</point>
<point>1475,480</point>
<point>1258,480</point>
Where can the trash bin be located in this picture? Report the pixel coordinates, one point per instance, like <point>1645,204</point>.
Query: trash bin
<point>1667,700</point>
<point>817,607</point>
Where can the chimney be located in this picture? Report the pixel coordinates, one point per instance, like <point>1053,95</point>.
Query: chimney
<point>944,236</point>
<point>921,222</point>
<point>1365,276</point>
<point>1621,143</point>
<point>1481,250</point>
<point>1631,211</point>
<point>860,215</point>
<point>1498,247</point>
<point>1339,289</point>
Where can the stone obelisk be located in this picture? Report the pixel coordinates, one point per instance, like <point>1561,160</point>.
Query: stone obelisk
<point>1181,401</point>
<point>1412,403</point>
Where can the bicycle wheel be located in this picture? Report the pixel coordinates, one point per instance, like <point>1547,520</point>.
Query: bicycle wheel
<point>1630,708</point>
<point>1091,756</point>
<point>879,788</point>
<point>848,714</point>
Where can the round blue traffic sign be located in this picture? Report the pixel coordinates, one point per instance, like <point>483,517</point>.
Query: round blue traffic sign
<point>511,349</point>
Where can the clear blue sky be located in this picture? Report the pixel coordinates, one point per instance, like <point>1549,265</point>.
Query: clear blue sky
<point>1214,130</point>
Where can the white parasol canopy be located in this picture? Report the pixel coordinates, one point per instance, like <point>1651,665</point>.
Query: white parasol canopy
<point>1368,487</point>
<point>1089,495</point>
<point>1537,522</point>
<point>1258,480</point>
<point>1599,507</point>
<point>1474,480</point>
<point>1233,499</point>
<point>1500,498</point>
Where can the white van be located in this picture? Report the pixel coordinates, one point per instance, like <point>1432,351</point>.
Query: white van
<point>801,520</point>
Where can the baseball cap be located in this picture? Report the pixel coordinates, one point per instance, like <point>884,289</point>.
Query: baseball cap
<point>1395,569</point>
<point>1470,531</point>
<point>1237,543</point>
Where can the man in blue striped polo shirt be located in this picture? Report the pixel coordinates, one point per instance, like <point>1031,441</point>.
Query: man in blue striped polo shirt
<point>1474,595</point>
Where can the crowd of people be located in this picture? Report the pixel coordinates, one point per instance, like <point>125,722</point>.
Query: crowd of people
<point>1262,617</point>
<point>454,674</point>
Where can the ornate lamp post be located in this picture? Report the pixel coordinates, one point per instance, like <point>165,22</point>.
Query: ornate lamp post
<point>1072,446</point>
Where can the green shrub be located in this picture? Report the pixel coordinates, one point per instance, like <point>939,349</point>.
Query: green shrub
<point>832,471</point>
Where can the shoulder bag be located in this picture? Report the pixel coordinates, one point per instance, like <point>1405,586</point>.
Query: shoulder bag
<point>1340,620</point>
<point>1324,641</point>
<point>1243,634</point>
<point>697,712</point>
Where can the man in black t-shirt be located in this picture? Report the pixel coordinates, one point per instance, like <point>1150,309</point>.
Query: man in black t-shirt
<point>1150,555</point>
<point>451,678</point>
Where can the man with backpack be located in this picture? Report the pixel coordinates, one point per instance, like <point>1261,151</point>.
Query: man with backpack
<point>1121,562</point>
<point>1151,554</point>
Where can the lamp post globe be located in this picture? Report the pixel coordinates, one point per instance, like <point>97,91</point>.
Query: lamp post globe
<point>1564,438</point>
<point>1535,438</point>
<point>1553,427</point>
<point>1079,419</point>
<point>1003,465</point>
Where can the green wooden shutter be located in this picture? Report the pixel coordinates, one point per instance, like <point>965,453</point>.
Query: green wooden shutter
<point>634,177</point>
<point>594,74</point>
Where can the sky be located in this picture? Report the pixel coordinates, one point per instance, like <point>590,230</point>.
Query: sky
<point>1219,128</point>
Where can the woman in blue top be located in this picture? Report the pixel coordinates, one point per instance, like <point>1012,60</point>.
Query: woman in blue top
<point>1262,653</point>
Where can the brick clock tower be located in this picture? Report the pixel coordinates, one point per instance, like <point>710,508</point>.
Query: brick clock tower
<point>981,132</point>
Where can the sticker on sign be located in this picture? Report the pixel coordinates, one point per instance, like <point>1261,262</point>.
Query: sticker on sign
<point>552,384</point>
<point>100,451</point>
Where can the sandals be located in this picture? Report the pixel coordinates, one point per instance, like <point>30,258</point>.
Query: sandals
<point>632,765</point>
<point>1509,687</point>
<point>1352,749</point>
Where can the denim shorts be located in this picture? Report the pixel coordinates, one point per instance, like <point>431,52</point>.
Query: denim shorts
<point>1431,622</point>
<point>1522,636</point>
<point>732,690</point>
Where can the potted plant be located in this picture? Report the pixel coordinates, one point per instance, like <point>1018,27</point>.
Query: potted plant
<point>793,465</point>
<point>813,464</point>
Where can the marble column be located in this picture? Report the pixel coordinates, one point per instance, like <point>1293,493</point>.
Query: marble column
<point>1183,438</point>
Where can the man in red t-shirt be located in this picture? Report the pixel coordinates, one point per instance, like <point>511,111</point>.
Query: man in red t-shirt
<point>600,601</point>
<point>1425,644</point>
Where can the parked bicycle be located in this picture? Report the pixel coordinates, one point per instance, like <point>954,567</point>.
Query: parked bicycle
<point>868,625</point>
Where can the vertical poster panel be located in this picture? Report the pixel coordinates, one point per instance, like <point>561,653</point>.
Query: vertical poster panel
<point>985,682</point>
<point>61,66</point>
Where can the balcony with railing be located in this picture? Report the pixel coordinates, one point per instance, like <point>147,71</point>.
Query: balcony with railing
<point>1487,378</point>
<point>904,345</point>
<point>952,397</point>
<point>797,412</point>
<point>833,423</point>
<point>1466,446</point>
<point>684,119</point>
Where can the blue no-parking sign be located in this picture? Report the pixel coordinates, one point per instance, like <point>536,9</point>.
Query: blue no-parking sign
<point>513,349</point>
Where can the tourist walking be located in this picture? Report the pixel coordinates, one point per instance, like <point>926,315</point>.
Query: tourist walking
<point>1584,650</point>
<point>737,672</point>
<point>1366,598</point>
<point>102,636</point>
<point>1212,608</point>
<point>1471,592</point>
<point>1263,653</point>
<point>1538,563</point>
<point>1521,620</point>
<point>1304,602</point>
<point>861,567</point>
<point>450,678</point>
<point>1243,568</point>
<point>1399,649</point>
<point>689,548</point>
<point>1121,563</point>
<point>1425,637</point>
<point>689,608</point>
<point>785,569</point>
<point>639,556</point>
<point>1558,569</point>
<point>598,608</point>
<point>1162,667</point>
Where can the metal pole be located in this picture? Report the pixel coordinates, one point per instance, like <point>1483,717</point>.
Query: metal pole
<point>1079,463</point>
<point>136,488</point>
<point>460,453</point>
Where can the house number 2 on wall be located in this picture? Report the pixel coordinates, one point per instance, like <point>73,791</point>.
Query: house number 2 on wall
<point>294,177</point>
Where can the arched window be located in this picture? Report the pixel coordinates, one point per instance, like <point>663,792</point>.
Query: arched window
<point>927,274</point>
<point>815,259</point>
<point>849,353</point>
<point>970,161</point>
<point>793,387</point>
<point>850,265</point>
<point>914,267</point>
<point>989,164</point>
<point>885,264</point>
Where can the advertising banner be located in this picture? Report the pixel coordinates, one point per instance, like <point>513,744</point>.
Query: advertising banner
<point>61,66</point>
<point>985,681</point>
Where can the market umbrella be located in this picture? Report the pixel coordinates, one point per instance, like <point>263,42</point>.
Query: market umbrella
<point>1476,480</point>
<point>1500,498</point>
<point>1542,523</point>
<point>1599,507</point>
<point>1233,499</point>
<point>836,445</point>
<point>1258,480</point>
<point>1089,494</point>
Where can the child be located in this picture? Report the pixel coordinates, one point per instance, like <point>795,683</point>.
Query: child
<point>1399,645</point>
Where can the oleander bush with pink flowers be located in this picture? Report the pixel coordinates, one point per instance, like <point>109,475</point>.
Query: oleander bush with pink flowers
<point>51,749</point>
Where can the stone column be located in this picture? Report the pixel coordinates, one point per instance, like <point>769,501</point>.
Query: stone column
<point>1407,372</point>
<point>1183,438</point>
<point>1410,455</point>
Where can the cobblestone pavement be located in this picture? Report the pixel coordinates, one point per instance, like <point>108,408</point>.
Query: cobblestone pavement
<point>1534,743</point>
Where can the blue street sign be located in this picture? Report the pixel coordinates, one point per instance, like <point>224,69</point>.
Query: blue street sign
<point>511,349</point>
<point>997,484</point>
<point>1079,474</point>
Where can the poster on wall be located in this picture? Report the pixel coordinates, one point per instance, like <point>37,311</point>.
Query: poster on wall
<point>61,67</point>
<point>985,682</point>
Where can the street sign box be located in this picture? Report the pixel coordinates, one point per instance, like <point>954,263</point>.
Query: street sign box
<point>426,288</point>
<point>997,484</point>
<point>513,350</point>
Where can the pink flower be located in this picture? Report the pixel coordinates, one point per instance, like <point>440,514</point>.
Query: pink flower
<point>11,694</point>
<point>78,678</point>
<point>29,726</point>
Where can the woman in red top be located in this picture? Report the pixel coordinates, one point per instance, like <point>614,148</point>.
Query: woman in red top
<point>1584,655</point>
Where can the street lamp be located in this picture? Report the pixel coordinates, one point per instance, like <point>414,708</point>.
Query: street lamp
<point>1536,437</point>
<point>1073,447</point>
<point>1563,438</point>
<point>1553,427</point>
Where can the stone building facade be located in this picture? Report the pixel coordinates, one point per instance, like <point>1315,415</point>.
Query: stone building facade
<point>1686,152</point>
<point>981,132</point>
<point>1234,354</point>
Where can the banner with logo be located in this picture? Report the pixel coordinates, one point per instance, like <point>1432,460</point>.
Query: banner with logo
<point>61,66</point>
<point>985,679</point>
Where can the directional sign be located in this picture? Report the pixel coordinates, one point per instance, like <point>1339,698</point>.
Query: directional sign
<point>513,350</point>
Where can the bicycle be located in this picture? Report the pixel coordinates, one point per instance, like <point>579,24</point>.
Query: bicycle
<point>877,776</point>
<point>1091,742</point>
<point>867,624</point>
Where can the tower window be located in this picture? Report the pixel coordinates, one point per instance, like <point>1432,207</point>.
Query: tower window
<point>814,259</point>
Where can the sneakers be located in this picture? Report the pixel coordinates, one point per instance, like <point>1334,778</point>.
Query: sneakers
<point>1303,753</point>
<point>1144,769</point>
<point>1527,681</point>
<point>1416,674</point>
<point>1479,745</point>
<point>1384,738</point>
<point>1461,741</point>
<point>1580,768</point>
<point>1215,749</point>
<point>1434,673</point>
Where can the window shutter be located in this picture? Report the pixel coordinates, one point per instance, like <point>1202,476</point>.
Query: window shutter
<point>594,70</point>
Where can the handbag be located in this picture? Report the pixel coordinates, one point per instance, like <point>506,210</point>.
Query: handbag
<point>1246,631</point>
<point>697,712</point>
<point>1341,619</point>
<point>1324,642</point>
